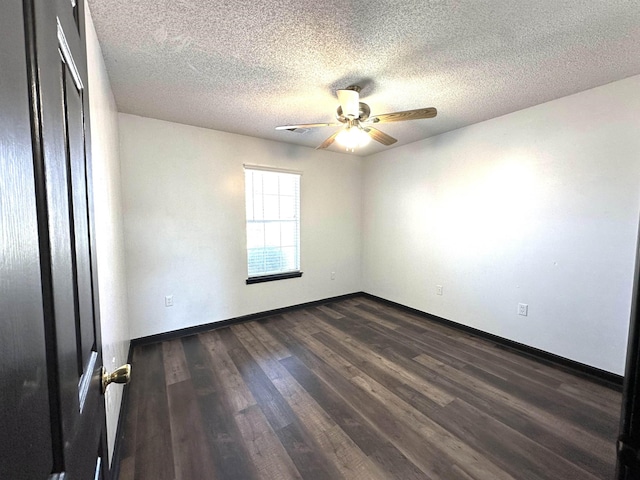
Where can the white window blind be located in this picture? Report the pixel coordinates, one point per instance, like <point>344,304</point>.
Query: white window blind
<point>273,221</point>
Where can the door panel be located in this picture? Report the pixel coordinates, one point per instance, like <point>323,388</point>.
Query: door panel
<point>52,410</point>
<point>79,220</point>
<point>59,75</point>
<point>25,439</point>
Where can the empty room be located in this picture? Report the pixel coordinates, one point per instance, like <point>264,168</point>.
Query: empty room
<point>319,240</point>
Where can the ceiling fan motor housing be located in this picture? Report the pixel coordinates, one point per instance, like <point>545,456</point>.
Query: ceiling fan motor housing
<point>363,113</point>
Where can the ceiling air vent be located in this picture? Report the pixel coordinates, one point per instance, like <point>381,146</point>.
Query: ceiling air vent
<point>298,130</point>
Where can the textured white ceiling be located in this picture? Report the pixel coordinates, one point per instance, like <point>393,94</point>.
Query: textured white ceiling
<point>247,66</point>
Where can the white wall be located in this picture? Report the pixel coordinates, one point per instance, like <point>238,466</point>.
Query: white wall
<point>540,206</point>
<point>109,224</point>
<point>184,224</point>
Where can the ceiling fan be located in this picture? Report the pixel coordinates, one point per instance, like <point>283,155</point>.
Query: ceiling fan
<point>354,116</point>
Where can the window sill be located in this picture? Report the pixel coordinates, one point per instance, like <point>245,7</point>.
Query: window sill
<point>270,278</point>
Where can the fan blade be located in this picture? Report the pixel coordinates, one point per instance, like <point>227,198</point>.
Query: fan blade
<point>308,125</point>
<point>406,115</point>
<point>328,141</point>
<point>379,136</point>
<point>350,102</point>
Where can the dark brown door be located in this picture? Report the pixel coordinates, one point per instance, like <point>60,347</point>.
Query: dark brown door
<point>49,248</point>
<point>628,467</point>
<point>25,437</point>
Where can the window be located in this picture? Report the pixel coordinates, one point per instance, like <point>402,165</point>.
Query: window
<point>273,224</point>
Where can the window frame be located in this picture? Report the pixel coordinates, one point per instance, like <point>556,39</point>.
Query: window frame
<point>268,277</point>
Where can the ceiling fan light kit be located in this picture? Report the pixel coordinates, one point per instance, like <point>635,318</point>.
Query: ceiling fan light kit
<point>354,116</point>
<point>352,138</point>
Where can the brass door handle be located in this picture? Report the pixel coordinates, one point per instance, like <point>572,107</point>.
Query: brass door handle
<point>119,375</point>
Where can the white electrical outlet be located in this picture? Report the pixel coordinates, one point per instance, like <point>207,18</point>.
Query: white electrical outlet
<point>333,275</point>
<point>523,309</point>
<point>168,301</point>
<point>438,289</point>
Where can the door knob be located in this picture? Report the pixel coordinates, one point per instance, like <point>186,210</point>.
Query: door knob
<point>119,375</point>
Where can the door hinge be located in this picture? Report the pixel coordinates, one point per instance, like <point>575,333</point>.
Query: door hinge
<point>628,452</point>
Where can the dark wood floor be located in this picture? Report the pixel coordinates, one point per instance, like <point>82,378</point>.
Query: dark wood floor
<point>356,389</point>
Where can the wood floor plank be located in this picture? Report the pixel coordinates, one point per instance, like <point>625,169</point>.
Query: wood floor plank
<point>507,366</point>
<point>506,356</point>
<point>127,468</point>
<point>593,421</point>
<point>267,453</point>
<point>499,408</point>
<point>309,460</point>
<point>276,349</point>
<point>175,365</point>
<point>237,392</point>
<point>601,421</point>
<point>192,457</point>
<point>363,332</point>
<point>437,339</point>
<point>598,423</point>
<point>419,397</point>
<point>360,389</point>
<point>315,355</point>
<point>513,451</point>
<point>385,454</point>
<point>267,362</point>
<point>585,440</point>
<point>422,340</point>
<point>230,458</point>
<point>593,462</point>
<point>594,397</point>
<point>302,318</point>
<point>337,446</point>
<point>275,408</point>
<point>393,416</point>
<point>304,335</point>
<point>458,452</point>
<point>330,311</point>
<point>154,450</point>
<point>364,356</point>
